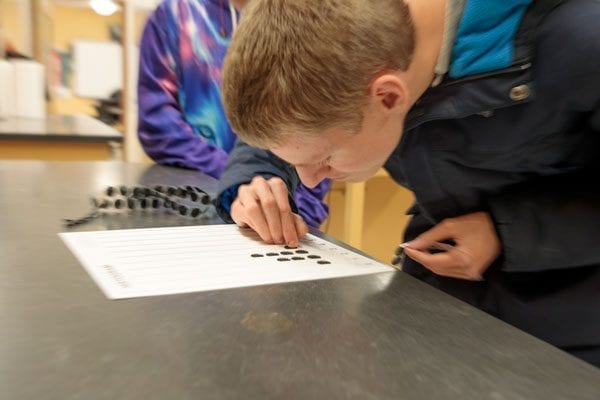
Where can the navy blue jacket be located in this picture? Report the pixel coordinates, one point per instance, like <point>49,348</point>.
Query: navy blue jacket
<point>522,143</point>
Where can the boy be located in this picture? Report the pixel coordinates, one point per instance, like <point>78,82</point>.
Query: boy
<point>489,111</point>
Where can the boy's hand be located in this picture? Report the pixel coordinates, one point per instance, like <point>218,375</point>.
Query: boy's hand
<point>264,206</point>
<point>476,246</point>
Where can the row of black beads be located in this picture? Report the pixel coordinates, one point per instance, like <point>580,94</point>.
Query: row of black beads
<point>147,204</point>
<point>130,203</point>
<point>195,194</point>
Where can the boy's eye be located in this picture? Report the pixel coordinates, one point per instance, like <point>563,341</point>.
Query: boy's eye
<point>324,162</point>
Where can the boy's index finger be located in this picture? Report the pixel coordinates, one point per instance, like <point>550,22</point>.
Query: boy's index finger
<point>288,227</point>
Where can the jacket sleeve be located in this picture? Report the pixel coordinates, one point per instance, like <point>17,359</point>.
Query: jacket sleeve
<point>163,130</point>
<point>246,162</point>
<point>554,222</point>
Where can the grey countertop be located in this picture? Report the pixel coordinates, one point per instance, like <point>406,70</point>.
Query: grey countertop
<point>382,336</point>
<point>81,128</point>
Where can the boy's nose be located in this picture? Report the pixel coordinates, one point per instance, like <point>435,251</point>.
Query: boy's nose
<point>312,176</point>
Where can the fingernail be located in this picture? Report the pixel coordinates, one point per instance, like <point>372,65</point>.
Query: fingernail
<point>293,244</point>
<point>404,245</point>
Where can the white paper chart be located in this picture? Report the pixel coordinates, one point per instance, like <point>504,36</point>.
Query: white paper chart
<point>159,261</point>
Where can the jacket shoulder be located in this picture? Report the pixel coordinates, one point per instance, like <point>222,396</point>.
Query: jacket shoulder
<point>567,49</point>
<point>568,36</point>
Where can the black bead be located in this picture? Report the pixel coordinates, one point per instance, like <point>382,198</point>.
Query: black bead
<point>110,191</point>
<point>205,199</point>
<point>398,260</point>
<point>158,188</point>
<point>138,192</point>
<point>193,196</point>
<point>123,190</point>
<point>171,190</point>
<point>131,203</point>
<point>183,210</point>
<point>155,203</point>
<point>119,204</point>
<point>195,212</point>
<point>144,204</point>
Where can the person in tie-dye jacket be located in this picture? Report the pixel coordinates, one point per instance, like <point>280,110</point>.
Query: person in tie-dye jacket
<point>181,120</point>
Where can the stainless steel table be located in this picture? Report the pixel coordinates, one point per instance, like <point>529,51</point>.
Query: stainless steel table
<point>383,336</point>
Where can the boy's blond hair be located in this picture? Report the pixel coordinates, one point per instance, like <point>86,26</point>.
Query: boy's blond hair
<point>303,66</point>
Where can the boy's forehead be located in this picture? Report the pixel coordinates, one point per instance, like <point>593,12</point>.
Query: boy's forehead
<point>303,151</point>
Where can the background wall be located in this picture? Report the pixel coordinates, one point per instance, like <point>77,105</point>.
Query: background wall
<point>384,216</point>
<point>69,23</point>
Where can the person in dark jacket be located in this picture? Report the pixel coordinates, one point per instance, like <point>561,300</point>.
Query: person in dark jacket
<point>488,111</point>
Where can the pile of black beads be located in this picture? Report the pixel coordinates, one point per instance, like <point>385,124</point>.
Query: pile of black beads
<point>184,200</point>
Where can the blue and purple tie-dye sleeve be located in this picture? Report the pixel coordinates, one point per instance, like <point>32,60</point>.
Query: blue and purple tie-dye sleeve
<point>164,131</point>
<point>310,203</point>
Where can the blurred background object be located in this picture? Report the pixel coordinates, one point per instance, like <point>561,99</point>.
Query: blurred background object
<point>104,7</point>
<point>110,110</point>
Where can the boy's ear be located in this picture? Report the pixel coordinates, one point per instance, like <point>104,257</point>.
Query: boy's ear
<point>390,92</point>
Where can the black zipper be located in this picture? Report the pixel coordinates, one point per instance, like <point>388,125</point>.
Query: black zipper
<point>515,68</point>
